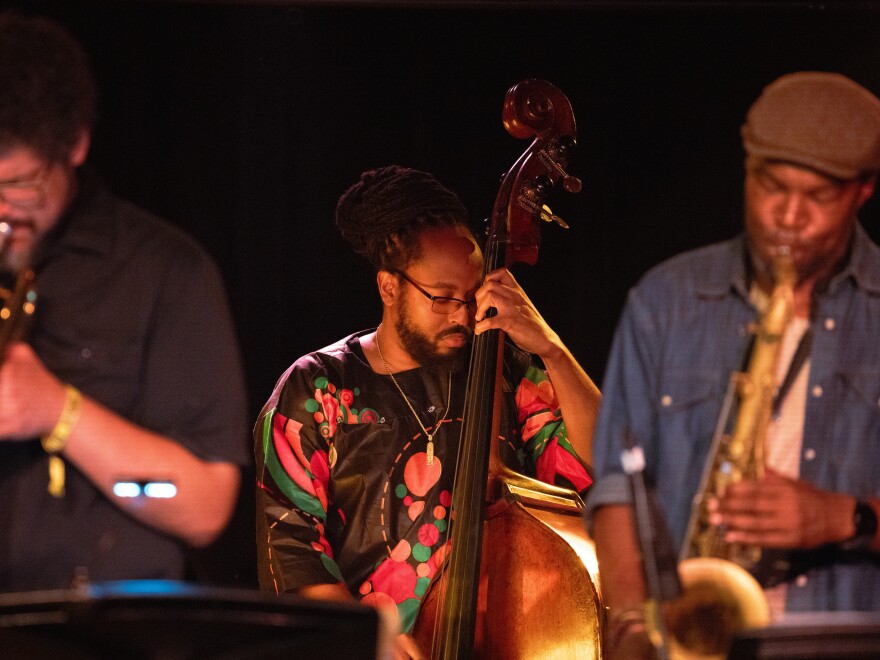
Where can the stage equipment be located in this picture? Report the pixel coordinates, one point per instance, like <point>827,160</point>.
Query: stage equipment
<point>166,620</point>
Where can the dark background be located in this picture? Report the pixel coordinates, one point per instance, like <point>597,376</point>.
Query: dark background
<point>243,122</point>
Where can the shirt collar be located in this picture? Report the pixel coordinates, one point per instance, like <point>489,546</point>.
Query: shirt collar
<point>861,265</point>
<point>730,273</point>
<point>723,274</point>
<point>84,225</point>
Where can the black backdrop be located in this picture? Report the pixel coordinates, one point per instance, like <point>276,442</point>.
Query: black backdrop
<point>242,122</point>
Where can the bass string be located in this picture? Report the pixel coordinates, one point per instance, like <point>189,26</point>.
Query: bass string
<point>478,371</point>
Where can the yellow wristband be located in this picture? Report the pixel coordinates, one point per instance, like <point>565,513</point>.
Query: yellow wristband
<point>54,442</point>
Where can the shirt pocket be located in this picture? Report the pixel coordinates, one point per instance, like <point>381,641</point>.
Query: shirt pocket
<point>111,349</point>
<point>855,431</point>
<point>107,366</point>
<point>865,388</point>
<point>857,413</point>
<point>685,389</point>
<point>688,406</point>
<point>358,448</point>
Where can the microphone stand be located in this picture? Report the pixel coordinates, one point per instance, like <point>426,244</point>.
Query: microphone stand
<point>662,583</point>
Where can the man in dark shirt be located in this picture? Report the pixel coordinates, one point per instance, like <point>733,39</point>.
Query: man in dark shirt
<point>129,372</point>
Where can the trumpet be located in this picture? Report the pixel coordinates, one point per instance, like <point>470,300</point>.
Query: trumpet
<point>720,596</point>
<point>18,296</point>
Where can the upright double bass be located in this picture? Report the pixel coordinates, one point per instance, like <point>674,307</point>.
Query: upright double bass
<point>521,580</point>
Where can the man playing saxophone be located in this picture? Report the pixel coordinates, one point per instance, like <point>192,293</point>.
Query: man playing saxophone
<point>812,143</point>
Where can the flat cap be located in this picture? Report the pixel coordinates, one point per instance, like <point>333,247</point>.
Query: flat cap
<point>823,121</point>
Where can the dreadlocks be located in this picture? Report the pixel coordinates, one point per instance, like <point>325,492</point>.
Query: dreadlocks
<point>383,214</point>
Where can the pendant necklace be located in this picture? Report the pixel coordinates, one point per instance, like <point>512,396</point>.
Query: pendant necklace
<point>430,448</point>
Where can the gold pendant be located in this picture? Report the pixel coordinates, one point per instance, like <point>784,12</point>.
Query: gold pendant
<point>56,476</point>
<point>430,450</point>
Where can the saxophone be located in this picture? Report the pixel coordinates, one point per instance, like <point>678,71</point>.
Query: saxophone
<point>720,597</point>
<point>17,297</point>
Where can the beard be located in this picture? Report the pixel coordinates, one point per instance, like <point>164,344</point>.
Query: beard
<point>423,349</point>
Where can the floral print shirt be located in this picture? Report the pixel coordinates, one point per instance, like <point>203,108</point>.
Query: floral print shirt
<point>345,492</point>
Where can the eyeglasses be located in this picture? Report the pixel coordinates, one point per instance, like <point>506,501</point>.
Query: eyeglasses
<point>440,304</point>
<point>25,194</point>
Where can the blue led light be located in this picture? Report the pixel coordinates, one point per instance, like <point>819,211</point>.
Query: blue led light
<point>126,489</point>
<point>160,489</point>
<point>155,489</point>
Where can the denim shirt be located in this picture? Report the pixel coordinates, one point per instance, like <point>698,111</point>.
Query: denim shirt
<point>683,332</point>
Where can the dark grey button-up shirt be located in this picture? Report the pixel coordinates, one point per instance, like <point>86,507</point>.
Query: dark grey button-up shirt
<point>133,313</point>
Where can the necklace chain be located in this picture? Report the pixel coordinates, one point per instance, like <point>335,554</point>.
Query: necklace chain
<point>430,448</point>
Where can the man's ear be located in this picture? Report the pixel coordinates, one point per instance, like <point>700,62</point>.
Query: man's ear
<point>867,190</point>
<point>80,149</point>
<point>389,287</point>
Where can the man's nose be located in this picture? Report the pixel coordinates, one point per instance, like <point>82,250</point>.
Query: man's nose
<point>464,315</point>
<point>792,213</point>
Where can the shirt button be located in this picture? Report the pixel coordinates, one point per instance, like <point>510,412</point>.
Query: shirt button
<point>830,323</point>
<point>817,391</point>
<point>810,454</point>
<point>85,353</point>
<point>666,401</point>
<point>801,581</point>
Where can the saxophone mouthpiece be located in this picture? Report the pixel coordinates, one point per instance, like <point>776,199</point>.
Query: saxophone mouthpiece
<point>783,266</point>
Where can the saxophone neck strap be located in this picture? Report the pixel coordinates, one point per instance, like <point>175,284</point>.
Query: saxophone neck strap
<point>794,368</point>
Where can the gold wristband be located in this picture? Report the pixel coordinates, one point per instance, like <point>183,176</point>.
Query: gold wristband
<point>54,442</point>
